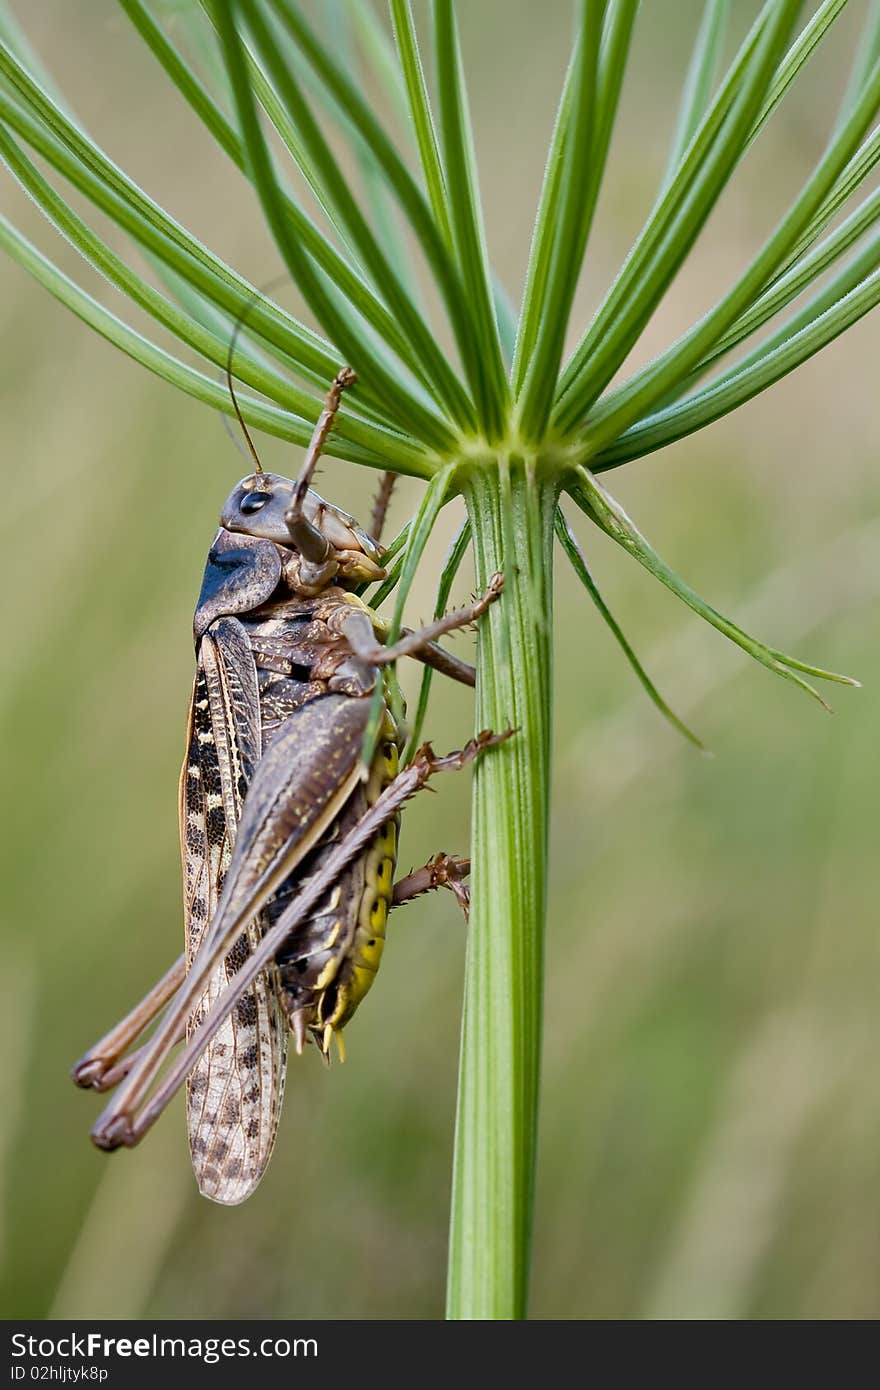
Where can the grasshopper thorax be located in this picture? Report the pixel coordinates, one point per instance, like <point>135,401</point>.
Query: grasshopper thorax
<point>324,543</point>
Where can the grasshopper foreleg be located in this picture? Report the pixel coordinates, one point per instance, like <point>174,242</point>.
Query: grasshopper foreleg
<point>422,644</point>
<point>380,506</point>
<point>133,1111</point>
<point>432,654</point>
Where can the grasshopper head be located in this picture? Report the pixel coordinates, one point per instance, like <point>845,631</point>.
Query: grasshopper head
<point>327,543</point>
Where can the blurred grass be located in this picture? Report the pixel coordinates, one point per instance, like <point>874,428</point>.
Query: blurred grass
<point>711,1126</point>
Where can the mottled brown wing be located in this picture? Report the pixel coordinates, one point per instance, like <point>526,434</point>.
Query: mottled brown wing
<point>284,802</point>
<point>235,1090</point>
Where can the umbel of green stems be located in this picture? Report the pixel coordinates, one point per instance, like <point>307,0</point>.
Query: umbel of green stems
<point>503,419</point>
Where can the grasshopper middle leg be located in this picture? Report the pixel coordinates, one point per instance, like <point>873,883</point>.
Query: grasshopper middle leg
<point>443,871</point>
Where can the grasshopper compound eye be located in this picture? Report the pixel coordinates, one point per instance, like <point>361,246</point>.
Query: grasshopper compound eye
<point>254,502</point>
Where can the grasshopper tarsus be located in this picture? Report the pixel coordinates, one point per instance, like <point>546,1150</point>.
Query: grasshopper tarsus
<point>100,1073</point>
<point>346,376</point>
<point>460,757</point>
<point>443,871</point>
<point>117,1133</point>
<point>88,1073</point>
<point>493,590</point>
<point>104,1075</point>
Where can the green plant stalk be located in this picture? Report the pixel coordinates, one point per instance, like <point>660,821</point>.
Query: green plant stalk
<point>496,1123</point>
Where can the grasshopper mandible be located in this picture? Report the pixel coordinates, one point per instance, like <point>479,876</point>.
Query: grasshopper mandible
<point>288,845</point>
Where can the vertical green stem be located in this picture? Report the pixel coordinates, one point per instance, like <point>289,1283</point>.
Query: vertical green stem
<point>493,1182</point>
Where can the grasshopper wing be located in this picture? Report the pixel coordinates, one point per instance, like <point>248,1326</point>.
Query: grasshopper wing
<point>234,1092</point>
<point>281,805</point>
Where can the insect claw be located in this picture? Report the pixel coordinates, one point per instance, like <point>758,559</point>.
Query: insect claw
<point>493,590</point>
<point>487,739</point>
<point>89,1072</point>
<point>443,871</point>
<point>115,1134</point>
<point>100,1073</point>
<point>462,895</point>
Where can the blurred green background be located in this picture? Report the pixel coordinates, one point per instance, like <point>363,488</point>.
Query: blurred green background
<point>710,1142</point>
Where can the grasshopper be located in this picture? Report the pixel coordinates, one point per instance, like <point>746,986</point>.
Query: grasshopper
<point>288,844</point>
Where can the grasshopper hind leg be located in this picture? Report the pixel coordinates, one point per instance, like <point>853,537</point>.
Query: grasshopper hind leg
<point>105,1064</point>
<point>135,1109</point>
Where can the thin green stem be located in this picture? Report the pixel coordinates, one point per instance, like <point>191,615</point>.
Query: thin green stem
<point>381,56</point>
<point>351,290</point>
<point>568,234</point>
<point>862,163</point>
<point>542,238</point>
<point>610,517</point>
<point>374,189</point>
<point>421,116</point>
<point>403,187</point>
<point>698,83</point>
<point>417,538</point>
<point>788,286</point>
<point>339,324</point>
<point>800,53</point>
<point>617,30</point>
<point>457,552</point>
<point>75,156</point>
<point>496,1126</point>
<point>677,219</point>
<point>623,407</point>
<point>434,368</point>
<point>569,544</point>
<point>867,50</point>
<point>179,374</point>
<point>740,384</point>
<point>98,254</point>
<point>491,394</point>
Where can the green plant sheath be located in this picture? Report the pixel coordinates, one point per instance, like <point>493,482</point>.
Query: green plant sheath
<point>496,1126</point>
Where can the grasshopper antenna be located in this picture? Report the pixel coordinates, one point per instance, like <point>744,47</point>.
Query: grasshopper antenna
<point>239,325</point>
<point>307,538</point>
<point>252,450</point>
